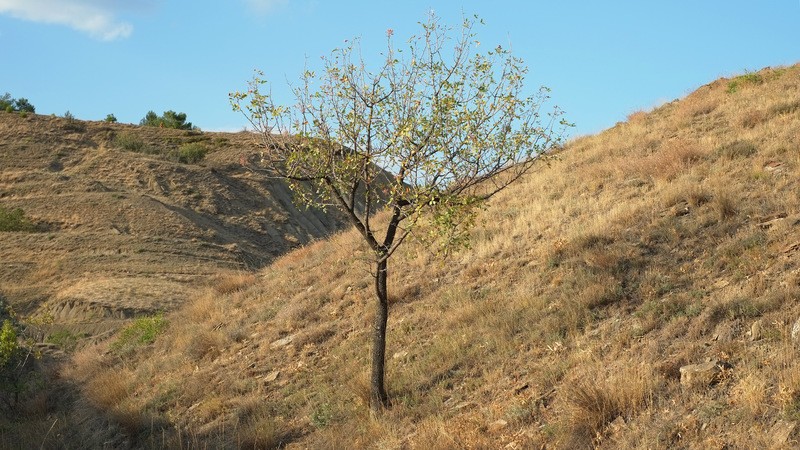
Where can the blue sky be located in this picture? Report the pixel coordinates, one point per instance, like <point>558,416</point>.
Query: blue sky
<point>602,59</point>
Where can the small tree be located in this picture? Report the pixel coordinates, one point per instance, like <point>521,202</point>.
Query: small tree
<point>453,127</point>
<point>23,105</point>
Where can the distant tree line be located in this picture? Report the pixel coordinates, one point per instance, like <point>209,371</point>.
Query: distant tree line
<point>170,119</point>
<point>9,104</point>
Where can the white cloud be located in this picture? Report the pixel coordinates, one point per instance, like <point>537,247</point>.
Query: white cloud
<point>98,18</point>
<point>265,6</point>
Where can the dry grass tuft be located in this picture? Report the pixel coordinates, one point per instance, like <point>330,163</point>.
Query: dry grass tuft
<point>233,282</point>
<point>594,403</point>
<point>724,204</point>
<point>203,344</point>
<point>667,162</point>
<point>108,388</point>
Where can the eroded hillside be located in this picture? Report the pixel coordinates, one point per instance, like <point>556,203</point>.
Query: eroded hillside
<point>125,225</point>
<point>668,243</point>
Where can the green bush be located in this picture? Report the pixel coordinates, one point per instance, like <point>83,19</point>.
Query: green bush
<point>191,153</point>
<point>15,220</point>
<point>110,119</point>
<point>142,331</point>
<point>130,142</point>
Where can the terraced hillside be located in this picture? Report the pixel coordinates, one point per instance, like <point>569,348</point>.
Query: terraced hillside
<point>123,227</point>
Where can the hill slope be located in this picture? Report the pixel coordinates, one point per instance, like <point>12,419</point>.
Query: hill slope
<point>124,227</point>
<point>668,243</point>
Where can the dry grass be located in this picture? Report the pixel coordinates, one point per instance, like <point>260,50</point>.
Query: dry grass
<point>653,245</point>
<point>109,387</point>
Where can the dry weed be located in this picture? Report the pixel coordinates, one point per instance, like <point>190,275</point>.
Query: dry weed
<point>233,282</point>
<point>594,402</point>
<point>108,388</point>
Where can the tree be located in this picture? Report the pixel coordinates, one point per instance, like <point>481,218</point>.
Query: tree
<point>453,127</point>
<point>22,104</point>
<point>170,119</point>
<point>9,104</point>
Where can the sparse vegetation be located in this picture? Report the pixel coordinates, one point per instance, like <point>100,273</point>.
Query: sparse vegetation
<point>750,78</point>
<point>667,242</point>
<point>664,258</point>
<point>143,331</point>
<point>187,152</point>
<point>64,339</point>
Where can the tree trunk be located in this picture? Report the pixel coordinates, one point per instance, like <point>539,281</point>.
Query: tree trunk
<point>378,398</point>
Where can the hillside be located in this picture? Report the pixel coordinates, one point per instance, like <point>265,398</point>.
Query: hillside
<point>123,227</point>
<point>640,291</point>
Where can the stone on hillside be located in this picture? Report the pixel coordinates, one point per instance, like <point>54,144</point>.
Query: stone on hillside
<point>272,376</point>
<point>400,355</point>
<point>464,406</point>
<point>701,375</point>
<point>680,210</point>
<point>497,425</point>
<point>781,432</point>
<point>725,332</point>
<point>281,342</point>
<point>756,330</point>
<point>617,425</point>
<point>796,331</point>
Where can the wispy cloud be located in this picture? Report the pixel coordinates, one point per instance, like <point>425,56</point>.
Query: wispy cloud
<point>98,18</point>
<point>265,6</point>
